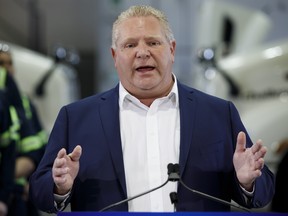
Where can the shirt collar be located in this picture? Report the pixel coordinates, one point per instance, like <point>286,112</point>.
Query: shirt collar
<point>125,96</point>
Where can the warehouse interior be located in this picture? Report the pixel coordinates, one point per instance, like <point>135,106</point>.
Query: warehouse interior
<point>233,49</point>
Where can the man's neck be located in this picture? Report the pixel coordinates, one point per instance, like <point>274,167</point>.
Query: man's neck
<point>149,100</point>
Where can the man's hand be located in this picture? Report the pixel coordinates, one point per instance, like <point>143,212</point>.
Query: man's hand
<point>65,169</point>
<point>248,162</point>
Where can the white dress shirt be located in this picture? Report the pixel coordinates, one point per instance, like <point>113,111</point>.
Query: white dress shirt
<point>150,141</point>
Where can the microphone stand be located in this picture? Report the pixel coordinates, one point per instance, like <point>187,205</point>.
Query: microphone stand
<point>171,176</point>
<point>213,198</point>
<point>134,197</point>
<point>175,176</point>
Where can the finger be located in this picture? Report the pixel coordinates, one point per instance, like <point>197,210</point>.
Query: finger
<point>257,146</point>
<point>57,172</point>
<point>259,164</point>
<point>60,180</point>
<point>241,142</point>
<point>257,173</point>
<point>59,162</point>
<point>61,153</point>
<point>261,153</point>
<point>76,153</point>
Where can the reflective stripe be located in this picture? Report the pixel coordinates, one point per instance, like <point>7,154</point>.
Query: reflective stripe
<point>29,143</point>
<point>21,181</point>
<point>43,136</point>
<point>27,107</point>
<point>14,128</point>
<point>12,132</point>
<point>5,139</point>
<point>3,75</point>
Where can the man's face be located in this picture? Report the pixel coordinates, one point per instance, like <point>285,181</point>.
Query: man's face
<point>143,57</point>
<point>6,62</point>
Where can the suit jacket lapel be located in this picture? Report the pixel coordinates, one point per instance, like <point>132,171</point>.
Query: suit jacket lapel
<point>109,114</point>
<point>187,104</point>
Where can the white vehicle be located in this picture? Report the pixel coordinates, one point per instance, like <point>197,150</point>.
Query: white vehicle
<point>50,84</point>
<point>242,68</point>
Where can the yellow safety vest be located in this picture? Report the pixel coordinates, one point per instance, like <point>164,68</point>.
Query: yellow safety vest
<point>12,134</point>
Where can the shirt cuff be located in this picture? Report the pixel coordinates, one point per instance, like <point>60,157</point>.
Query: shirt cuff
<point>248,193</point>
<point>59,201</point>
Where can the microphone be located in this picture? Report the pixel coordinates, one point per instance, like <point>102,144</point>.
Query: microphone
<point>173,172</point>
<point>176,176</point>
<point>174,199</point>
<point>171,177</point>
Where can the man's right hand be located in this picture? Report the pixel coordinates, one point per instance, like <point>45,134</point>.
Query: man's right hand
<point>65,170</point>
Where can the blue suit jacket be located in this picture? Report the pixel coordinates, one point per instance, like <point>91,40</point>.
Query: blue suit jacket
<point>209,127</point>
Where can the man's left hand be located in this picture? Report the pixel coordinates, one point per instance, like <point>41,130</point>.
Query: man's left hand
<point>248,162</point>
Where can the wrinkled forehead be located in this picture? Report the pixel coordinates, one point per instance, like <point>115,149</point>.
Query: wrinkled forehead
<point>148,26</point>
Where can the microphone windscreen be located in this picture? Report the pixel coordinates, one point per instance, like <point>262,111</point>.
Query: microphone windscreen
<point>170,168</point>
<point>176,168</point>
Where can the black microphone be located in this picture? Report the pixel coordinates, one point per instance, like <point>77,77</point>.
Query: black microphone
<point>176,175</point>
<point>171,177</point>
<point>174,199</point>
<point>173,172</point>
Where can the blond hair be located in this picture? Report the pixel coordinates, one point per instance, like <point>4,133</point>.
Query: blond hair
<point>138,11</point>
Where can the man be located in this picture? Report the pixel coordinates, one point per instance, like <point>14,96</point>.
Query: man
<point>117,144</point>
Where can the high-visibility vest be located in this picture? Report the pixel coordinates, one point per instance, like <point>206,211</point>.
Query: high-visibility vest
<point>23,144</point>
<point>12,133</point>
<point>35,141</point>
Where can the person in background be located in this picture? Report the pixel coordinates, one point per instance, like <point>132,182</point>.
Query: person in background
<point>8,137</point>
<point>117,144</point>
<point>31,144</point>
<point>279,202</point>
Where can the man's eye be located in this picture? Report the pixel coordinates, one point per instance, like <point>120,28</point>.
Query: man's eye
<point>129,45</point>
<point>154,43</point>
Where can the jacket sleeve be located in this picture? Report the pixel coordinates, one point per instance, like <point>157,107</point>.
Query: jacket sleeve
<point>265,184</point>
<point>41,181</point>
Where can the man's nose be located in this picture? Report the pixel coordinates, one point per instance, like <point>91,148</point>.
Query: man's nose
<point>143,51</point>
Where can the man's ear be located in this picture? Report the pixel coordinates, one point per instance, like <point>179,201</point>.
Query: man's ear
<point>173,49</point>
<point>114,55</point>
